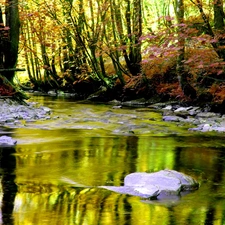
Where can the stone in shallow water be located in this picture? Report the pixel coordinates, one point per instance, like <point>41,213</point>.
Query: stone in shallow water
<point>182,111</point>
<point>160,184</point>
<point>172,118</point>
<point>6,141</point>
<point>160,179</point>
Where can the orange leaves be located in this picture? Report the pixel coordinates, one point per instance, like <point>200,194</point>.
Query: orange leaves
<point>200,59</point>
<point>166,87</point>
<point>218,91</point>
<point>6,90</point>
<point>200,66</point>
<point>220,72</point>
<point>172,89</point>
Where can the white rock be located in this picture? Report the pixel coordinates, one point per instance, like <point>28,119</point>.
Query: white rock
<point>7,141</point>
<point>169,107</point>
<point>206,127</point>
<point>151,185</point>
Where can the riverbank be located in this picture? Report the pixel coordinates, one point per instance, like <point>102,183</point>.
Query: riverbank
<point>201,119</point>
<point>14,114</point>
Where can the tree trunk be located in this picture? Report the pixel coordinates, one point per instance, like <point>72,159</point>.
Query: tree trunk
<point>218,14</point>
<point>187,89</point>
<point>11,42</point>
<point>219,26</point>
<point>1,40</point>
<point>134,32</point>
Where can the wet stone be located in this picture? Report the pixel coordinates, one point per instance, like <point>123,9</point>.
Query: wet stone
<point>172,118</point>
<point>155,185</point>
<point>6,141</point>
<point>207,115</point>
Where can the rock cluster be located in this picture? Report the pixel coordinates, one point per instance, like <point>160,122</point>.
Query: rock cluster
<point>13,114</point>
<point>203,121</point>
<point>202,118</point>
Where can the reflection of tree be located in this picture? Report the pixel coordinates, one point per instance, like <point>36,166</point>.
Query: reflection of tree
<point>9,188</point>
<point>106,161</point>
<point>210,215</point>
<point>128,210</point>
<point>178,160</point>
<point>132,153</point>
<point>210,159</point>
<point>171,220</point>
<point>219,167</point>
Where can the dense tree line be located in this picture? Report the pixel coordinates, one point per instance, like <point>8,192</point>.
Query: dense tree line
<point>133,47</point>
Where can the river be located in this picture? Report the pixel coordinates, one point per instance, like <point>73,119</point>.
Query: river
<point>96,144</point>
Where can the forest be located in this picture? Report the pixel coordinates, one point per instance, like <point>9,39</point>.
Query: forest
<point>168,52</point>
<point>131,49</point>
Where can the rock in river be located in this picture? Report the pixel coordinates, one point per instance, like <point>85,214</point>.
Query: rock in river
<point>158,185</point>
<point>14,115</point>
<point>6,141</point>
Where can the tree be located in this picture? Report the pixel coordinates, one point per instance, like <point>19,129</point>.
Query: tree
<point>134,32</point>
<point>70,42</point>
<point>219,26</point>
<point>182,76</point>
<point>9,38</point>
<point>218,14</point>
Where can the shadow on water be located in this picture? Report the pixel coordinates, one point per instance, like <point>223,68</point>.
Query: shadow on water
<point>9,187</point>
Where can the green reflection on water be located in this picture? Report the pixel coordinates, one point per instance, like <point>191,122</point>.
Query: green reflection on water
<point>51,155</point>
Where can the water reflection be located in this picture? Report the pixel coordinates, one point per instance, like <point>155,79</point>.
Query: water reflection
<point>93,161</point>
<point>217,180</point>
<point>57,171</point>
<point>9,187</point>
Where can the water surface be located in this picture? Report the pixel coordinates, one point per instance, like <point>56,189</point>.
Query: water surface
<point>52,174</point>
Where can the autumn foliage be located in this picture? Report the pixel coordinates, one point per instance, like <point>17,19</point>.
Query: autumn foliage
<point>77,45</point>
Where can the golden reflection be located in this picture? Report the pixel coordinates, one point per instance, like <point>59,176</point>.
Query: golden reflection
<point>44,160</point>
<point>44,197</point>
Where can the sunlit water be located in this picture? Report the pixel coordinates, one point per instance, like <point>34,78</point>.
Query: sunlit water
<point>51,176</point>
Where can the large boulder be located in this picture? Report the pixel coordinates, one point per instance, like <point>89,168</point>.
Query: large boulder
<point>158,185</point>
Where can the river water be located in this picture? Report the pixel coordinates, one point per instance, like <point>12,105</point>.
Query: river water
<point>50,177</point>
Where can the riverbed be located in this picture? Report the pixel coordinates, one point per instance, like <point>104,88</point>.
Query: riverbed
<point>57,164</point>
